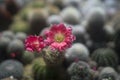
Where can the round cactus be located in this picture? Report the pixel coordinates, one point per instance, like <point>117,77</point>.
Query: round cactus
<point>54,19</point>
<point>15,49</point>
<point>4,41</point>
<point>79,71</point>
<point>108,73</point>
<point>71,16</point>
<point>74,3</point>
<point>105,57</point>
<point>8,34</point>
<point>41,71</point>
<point>21,36</point>
<point>77,52</point>
<point>37,4</point>
<point>96,31</point>
<point>11,68</point>
<point>80,33</point>
<point>27,57</point>
<point>20,26</point>
<point>36,18</point>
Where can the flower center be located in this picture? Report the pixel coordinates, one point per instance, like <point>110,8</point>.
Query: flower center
<point>59,37</point>
<point>36,44</point>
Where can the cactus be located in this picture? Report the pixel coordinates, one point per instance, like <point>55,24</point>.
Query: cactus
<point>74,3</point>
<point>15,49</point>
<point>105,57</point>
<point>41,71</point>
<point>11,68</point>
<point>8,34</point>
<point>71,16</point>
<point>37,4</point>
<point>54,19</point>
<point>96,31</point>
<point>20,26</point>
<point>108,73</point>
<point>116,38</point>
<point>77,52</point>
<point>79,71</point>
<point>4,41</point>
<point>36,18</point>
<point>27,57</point>
<point>80,33</point>
<point>21,36</point>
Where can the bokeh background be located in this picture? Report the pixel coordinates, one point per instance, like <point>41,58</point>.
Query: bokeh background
<point>95,23</point>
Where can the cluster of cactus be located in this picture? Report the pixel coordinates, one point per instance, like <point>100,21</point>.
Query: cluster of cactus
<point>12,46</point>
<point>27,57</point>
<point>43,72</point>
<point>108,73</point>
<point>11,68</point>
<point>79,71</point>
<point>78,51</point>
<point>105,57</point>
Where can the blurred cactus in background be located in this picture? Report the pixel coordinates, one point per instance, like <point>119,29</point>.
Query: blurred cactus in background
<point>105,57</point>
<point>93,55</point>
<point>11,68</point>
<point>79,71</point>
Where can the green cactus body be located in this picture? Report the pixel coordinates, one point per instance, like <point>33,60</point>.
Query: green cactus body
<point>80,33</point>
<point>20,26</point>
<point>8,34</point>
<point>108,73</point>
<point>21,36</point>
<point>37,4</point>
<point>4,41</point>
<point>27,57</point>
<point>11,68</point>
<point>77,52</point>
<point>79,71</point>
<point>41,71</point>
<point>105,57</point>
<point>71,15</point>
<point>15,49</point>
<point>36,18</point>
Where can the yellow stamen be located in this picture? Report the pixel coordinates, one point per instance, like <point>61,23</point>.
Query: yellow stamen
<point>59,37</point>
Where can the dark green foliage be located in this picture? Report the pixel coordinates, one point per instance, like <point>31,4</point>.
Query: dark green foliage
<point>105,57</point>
<point>108,73</point>
<point>16,47</point>
<point>79,71</point>
<point>27,57</point>
<point>11,68</point>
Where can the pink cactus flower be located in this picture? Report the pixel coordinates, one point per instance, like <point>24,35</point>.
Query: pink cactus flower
<point>34,43</point>
<point>59,37</point>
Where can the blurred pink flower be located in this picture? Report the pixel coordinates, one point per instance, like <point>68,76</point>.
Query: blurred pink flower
<point>59,37</point>
<point>34,43</point>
